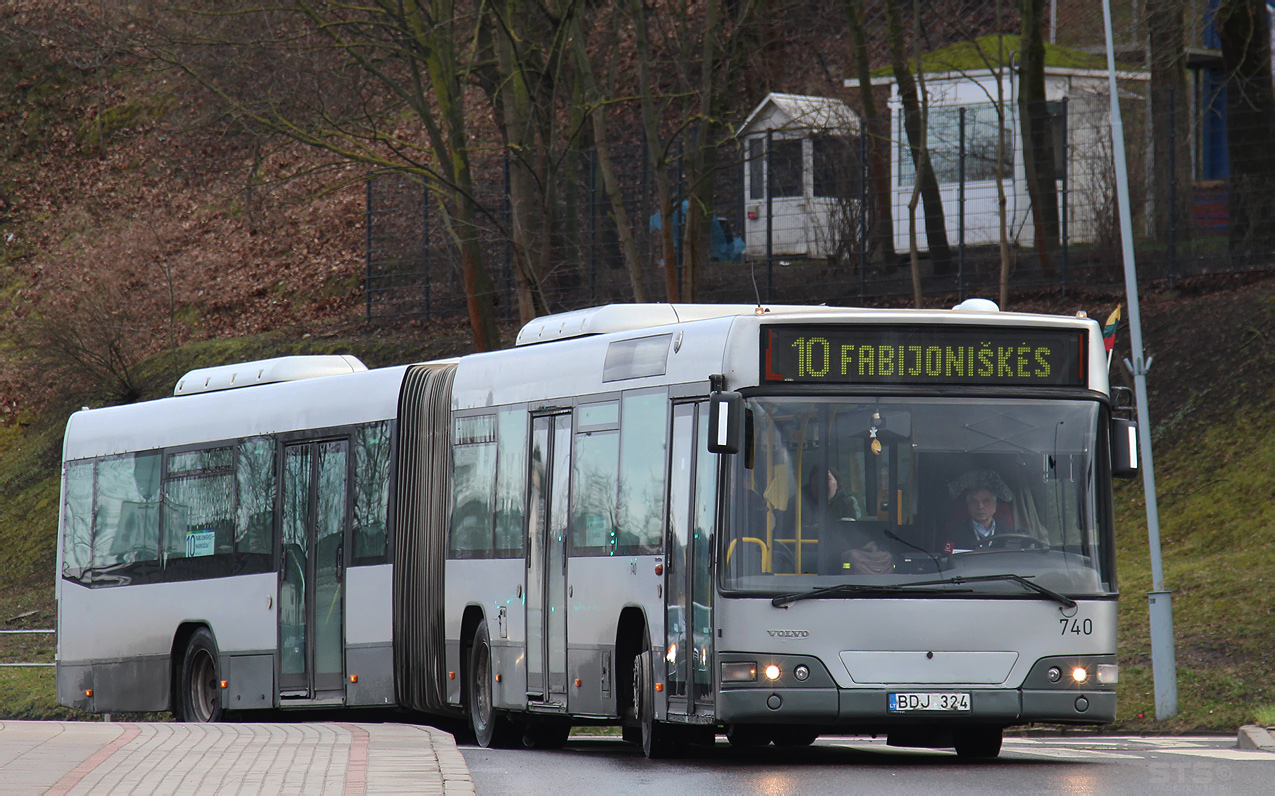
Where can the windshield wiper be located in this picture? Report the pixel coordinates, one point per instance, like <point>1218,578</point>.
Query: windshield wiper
<point>1061,599</point>
<point>865,588</point>
<point>916,587</point>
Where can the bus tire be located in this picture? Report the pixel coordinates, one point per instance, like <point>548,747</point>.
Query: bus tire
<point>748,736</point>
<point>977,743</point>
<point>546,734</point>
<point>657,742</point>
<point>792,737</point>
<point>199,682</point>
<point>491,728</point>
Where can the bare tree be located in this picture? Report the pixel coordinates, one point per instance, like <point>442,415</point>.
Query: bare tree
<point>1170,175</point>
<point>341,79</point>
<point>1245,33</point>
<point>597,96</point>
<point>705,45</point>
<point>1038,139</point>
<point>927,186</point>
<point>876,126</point>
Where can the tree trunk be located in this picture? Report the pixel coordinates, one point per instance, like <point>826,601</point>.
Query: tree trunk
<point>623,227</point>
<point>1170,173</point>
<point>877,150</point>
<point>1038,140</point>
<point>658,157</point>
<point>913,125</point>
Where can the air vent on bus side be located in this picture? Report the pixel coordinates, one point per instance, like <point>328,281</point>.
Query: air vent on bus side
<point>266,371</point>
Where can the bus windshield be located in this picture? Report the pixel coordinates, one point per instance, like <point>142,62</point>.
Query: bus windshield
<point>887,492</point>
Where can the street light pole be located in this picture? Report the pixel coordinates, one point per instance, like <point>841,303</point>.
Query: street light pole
<point>1159,601</point>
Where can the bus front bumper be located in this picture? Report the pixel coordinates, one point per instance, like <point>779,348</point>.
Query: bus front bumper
<point>870,707</point>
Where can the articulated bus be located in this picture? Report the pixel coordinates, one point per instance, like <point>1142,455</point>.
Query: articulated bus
<point>685,520</point>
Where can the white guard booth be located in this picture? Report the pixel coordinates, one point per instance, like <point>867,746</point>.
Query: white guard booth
<point>811,171</point>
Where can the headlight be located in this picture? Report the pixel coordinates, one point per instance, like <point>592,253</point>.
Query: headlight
<point>772,672</point>
<point>1080,674</point>
<point>1108,673</point>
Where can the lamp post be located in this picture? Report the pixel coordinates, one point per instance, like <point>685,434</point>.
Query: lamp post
<point>1159,601</point>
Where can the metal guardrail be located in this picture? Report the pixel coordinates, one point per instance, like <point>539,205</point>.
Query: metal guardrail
<point>20,633</point>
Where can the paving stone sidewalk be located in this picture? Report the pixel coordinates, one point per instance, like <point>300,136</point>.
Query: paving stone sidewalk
<point>38,757</point>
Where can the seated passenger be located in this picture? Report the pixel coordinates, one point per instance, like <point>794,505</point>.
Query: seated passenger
<point>984,491</point>
<point>823,497</point>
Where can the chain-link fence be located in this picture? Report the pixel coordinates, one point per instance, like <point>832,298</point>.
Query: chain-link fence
<point>821,214</point>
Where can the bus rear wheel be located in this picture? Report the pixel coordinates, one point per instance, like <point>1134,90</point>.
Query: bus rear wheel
<point>198,683</point>
<point>977,742</point>
<point>491,729</point>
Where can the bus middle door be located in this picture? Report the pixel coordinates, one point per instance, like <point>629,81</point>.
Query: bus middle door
<point>548,482</point>
<point>311,578</point>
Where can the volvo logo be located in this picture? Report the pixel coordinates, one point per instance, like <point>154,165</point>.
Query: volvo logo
<point>789,633</point>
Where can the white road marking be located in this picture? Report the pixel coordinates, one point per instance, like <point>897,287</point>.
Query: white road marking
<point>1225,754</point>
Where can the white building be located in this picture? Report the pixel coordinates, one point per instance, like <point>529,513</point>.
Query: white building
<point>1082,144</point>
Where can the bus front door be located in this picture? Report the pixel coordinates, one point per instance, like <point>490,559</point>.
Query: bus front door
<point>311,593</point>
<point>688,588</point>
<point>548,480</point>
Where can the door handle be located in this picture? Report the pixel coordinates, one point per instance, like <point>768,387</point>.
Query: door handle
<point>340,561</point>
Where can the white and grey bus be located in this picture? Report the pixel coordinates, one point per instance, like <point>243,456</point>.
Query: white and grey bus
<point>772,522</point>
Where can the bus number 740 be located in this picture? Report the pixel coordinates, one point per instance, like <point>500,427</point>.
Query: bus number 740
<point>1077,626</point>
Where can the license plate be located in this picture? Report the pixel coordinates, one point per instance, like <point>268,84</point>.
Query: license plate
<point>942,701</point>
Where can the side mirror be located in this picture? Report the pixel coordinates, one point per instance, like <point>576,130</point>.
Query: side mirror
<point>725,422</point>
<point>1124,448</point>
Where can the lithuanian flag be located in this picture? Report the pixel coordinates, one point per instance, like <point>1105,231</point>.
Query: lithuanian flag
<point>1109,329</point>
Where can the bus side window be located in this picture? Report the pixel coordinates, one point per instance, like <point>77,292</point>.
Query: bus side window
<point>126,522</point>
<point>371,491</point>
<point>511,481</point>
<point>643,459</point>
<point>198,500</point>
<point>474,487</point>
<point>77,530</point>
<point>255,485</point>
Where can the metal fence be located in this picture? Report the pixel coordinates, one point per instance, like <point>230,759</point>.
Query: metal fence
<point>822,215</point>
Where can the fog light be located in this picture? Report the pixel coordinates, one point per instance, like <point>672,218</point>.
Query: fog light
<point>801,672</point>
<point>1054,674</point>
<point>772,672</point>
<point>1108,673</point>
<point>1079,674</point>
<point>739,672</point>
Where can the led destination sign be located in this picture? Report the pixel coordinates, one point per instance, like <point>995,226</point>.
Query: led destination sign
<point>928,355</point>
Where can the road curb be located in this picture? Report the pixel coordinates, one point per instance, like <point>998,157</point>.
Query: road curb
<point>1255,738</point>
<point>451,764</point>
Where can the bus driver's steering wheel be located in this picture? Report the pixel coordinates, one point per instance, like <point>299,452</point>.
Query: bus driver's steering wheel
<point>1015,541</point>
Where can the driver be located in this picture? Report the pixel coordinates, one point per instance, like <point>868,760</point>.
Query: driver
<point>984,491</point>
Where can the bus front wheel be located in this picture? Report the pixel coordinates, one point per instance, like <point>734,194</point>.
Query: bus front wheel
<point>199,685</point>
<point>657,742</point>
<point>491,729</point>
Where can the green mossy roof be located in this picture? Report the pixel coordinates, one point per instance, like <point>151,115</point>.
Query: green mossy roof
<point>981,53</point>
